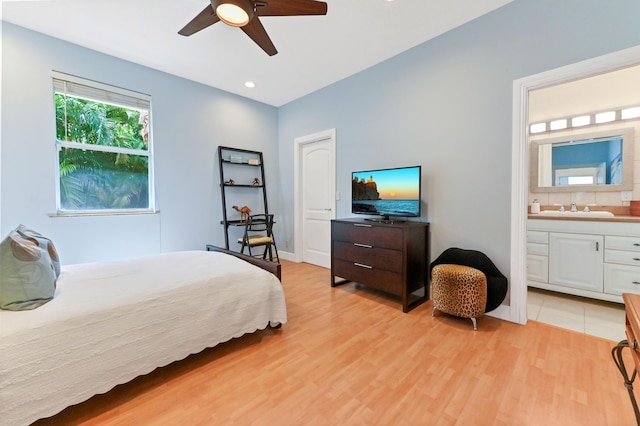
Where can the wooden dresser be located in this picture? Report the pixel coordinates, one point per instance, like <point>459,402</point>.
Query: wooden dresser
<point>632,326</point>
<point>388,256</point>
<point>632,330</point>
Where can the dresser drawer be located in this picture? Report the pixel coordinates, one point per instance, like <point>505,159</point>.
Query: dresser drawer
<point>369,235</point>
<point>622,243</point>
<point>387,259</point>
<point>374,277</point>
<point>622,257</point>
<point>620,279</point>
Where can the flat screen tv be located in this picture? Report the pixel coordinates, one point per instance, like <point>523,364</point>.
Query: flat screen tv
<point>387,192</point>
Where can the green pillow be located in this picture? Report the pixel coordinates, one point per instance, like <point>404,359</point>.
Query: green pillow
<point>44,243</point>
<point>27,273</point>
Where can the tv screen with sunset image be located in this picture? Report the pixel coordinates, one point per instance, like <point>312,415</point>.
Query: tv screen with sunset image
<point>386,192</point>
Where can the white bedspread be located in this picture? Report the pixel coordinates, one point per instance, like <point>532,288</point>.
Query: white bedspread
<point>110,322</point>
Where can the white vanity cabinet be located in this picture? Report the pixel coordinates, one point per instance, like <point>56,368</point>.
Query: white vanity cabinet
<point>596,259</point>
<point>575,260</point>
<point>538,256</point>
<point>622,264</point>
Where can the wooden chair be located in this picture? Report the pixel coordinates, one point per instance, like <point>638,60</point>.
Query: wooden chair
<point>258,232</point>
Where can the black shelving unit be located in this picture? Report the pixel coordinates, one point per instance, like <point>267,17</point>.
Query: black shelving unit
<point>238,164</point>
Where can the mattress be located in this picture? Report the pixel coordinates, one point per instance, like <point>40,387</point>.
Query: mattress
<point>111,322</point>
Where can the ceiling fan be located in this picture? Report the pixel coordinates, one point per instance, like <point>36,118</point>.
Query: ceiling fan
<point>245,13</point>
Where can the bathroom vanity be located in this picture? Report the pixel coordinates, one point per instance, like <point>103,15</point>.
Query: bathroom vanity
<point>597,258</point>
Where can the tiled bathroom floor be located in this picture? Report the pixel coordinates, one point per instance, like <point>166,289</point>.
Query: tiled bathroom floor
<point>593,317</point>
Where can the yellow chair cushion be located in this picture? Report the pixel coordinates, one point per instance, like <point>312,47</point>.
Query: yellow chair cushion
<point>257,240</point>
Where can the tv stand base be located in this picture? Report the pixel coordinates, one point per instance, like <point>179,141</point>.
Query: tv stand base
<point>387,221</point>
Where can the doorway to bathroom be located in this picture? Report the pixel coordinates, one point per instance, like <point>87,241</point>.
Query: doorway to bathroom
<point>520,159</point>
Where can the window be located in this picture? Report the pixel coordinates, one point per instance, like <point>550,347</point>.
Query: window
<point>103,142</point>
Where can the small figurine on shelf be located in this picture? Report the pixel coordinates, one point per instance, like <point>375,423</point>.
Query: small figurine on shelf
<point>244,212</point>
<point>230,182</point>
<point>256,182</point>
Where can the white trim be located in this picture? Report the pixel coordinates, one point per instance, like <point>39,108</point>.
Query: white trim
<point>297,188</point>
<point>114,212</point>
<point>519,159</point>
<point>105,94</point>
<point>285,255</point>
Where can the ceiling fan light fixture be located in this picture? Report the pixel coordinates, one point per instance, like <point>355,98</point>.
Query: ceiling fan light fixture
<point>236,13</point>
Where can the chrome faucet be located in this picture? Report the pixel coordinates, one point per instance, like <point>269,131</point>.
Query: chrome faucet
<point>574,207</point>
<point>561,209</point>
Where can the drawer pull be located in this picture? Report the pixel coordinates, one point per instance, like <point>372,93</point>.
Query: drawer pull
<point>362,245</point>
<point>362,225</point>
<point>636,244</point>
<point>636,258</point>
<point>363,266</point>
<point>635,282</point>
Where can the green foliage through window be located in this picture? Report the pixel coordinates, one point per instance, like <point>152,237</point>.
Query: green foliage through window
<point>103,155</point>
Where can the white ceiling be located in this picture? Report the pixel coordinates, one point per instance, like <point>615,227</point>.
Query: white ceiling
<point>314,51</point>
<point>585,96</point>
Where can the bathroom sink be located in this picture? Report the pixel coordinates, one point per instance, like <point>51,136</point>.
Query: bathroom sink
<point>568,213</point>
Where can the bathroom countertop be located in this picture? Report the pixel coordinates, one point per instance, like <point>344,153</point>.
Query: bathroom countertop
<point>620,214</point>
<point>616,218</point>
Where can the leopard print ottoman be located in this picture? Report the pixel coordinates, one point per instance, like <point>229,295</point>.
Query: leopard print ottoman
<point>459,290</point>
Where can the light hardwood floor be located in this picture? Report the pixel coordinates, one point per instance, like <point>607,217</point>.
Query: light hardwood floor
<point>349,356</point>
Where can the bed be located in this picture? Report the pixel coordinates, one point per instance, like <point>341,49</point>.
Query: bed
<point>111,322</point>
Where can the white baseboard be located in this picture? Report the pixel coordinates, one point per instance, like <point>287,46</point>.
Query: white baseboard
<point>287,256</point>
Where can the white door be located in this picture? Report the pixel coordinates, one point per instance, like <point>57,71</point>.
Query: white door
<point>315,201</point>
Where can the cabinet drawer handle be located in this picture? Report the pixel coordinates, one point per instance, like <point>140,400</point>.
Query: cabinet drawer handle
<point>362,245</point>
<point>363,266</point>
<point>636,244</point>
<point>636,258</point>
<point>363,225</point>
<point>635,282</point>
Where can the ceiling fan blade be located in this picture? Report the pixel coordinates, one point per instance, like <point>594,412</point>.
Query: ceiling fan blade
<point>256,31</point>
<point>203,20</point>
<point>290,7</point>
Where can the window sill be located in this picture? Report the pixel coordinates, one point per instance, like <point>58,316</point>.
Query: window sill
<point>104,213</point>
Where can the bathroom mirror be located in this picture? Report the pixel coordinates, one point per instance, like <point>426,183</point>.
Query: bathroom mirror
<point>592,161</point>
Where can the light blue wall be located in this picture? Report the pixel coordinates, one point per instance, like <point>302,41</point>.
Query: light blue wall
<point>189,121</point>
<point>447,105</point>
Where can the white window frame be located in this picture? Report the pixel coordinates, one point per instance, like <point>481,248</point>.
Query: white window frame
<point>104,93</point>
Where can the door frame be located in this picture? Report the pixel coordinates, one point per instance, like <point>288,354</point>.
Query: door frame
<point>329,135</point>
<point>517,311</point>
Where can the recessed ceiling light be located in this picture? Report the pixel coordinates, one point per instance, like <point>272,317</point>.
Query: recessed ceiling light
<point>250,84</point>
